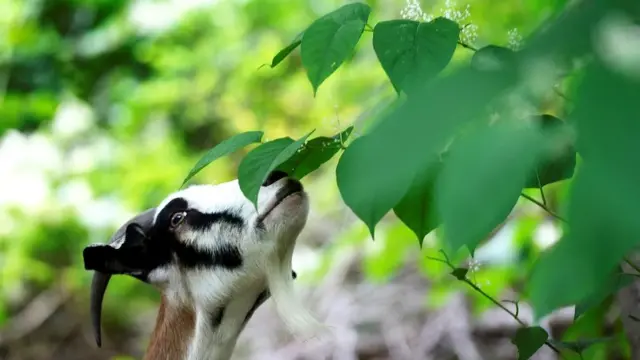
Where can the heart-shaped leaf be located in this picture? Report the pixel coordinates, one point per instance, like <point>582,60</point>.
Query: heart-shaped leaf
<point>370,186</point>
<point>413,52</point>
<point>602,208</point>
<point>417,209</point>
<point>329,40</point>
<point>225,147</point>
<point>481,180</point>
<point>529,340</point>
<point>259,162</point>
<point>314,153</point>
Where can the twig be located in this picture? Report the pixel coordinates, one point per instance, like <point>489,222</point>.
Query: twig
<point>514,316</point>
<point>544,199</point>
<point>467,46</point>
<point>476,288</point>
<point>438,260</point>
<point>633,266</point>
<point>514,303</point>
<point>488,297</point>
<point>544,207</point>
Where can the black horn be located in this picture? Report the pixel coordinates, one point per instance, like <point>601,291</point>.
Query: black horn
<point>101,279</point>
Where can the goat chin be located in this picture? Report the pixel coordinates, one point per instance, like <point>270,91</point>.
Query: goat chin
<point>296,317</point>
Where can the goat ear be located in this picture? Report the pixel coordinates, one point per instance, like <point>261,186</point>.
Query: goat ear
<point>134,234</point>
<point>123,256</point>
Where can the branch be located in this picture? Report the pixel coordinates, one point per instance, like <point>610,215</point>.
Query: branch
<point>544,207</point>
<point>487,296</point>
<point>467,46</point>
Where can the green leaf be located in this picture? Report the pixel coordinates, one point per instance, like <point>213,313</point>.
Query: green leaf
<point>492,58</point>
<point>460,273</point>
<point>603,205</point>
<point>370,187</point>
<point>225,147</point>
<point>282,54</point>
<point>482,180</point>
<point>413,52</point>
<point>593,324</point>
<point>417,208</point>
<point>579,346</point>
<point>559,161</point>
<point>529,340</point>
<point>329,40</point>
<point>259,162</point>
<point>378,168</point>
<point>613,284</point>
<point>314,153</point>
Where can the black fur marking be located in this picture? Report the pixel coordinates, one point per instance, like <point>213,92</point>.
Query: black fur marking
<point>227,256</point>
<point>203,221</point>
<point>163,220</point>
<point>262,297</point>
<point>216,318</point>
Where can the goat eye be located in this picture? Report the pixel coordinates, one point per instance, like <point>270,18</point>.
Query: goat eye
<point>178,218</point>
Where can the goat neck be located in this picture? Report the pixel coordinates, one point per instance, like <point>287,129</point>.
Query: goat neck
<point>174,328</point>
<point>193,332</point>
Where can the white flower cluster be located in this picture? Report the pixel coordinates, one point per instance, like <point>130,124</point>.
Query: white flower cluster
<point>413,11</point>
<point>469,33</point>
<point>474,265</point>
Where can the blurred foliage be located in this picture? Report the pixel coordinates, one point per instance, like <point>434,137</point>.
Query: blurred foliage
<point>106,105</point>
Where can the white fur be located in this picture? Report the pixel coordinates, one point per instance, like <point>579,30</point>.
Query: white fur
<point>266,262</point>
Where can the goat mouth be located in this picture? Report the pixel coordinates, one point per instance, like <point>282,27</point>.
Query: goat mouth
<point>291,188</point>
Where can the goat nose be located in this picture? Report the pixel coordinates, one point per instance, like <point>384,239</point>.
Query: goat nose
<point>274,176</point>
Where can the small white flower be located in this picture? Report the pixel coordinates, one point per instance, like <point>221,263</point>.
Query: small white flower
<point>515,39</point>
<point>469,32</point>
<point>412,11</point>
<point>474,265</point>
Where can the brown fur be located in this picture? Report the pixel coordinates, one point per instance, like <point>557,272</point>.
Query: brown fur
<point>173,331</point>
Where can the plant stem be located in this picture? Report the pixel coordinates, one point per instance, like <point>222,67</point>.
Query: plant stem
<point>544,207</point>
<point>467,46</point>
<point>514,316</point>
<point>438,260</point>
<point>487,296</point>
<point>476,288</point>
<point>630,263</point>
<point>544,199</point>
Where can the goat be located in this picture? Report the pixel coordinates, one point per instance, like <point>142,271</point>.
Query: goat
<point>214,257</point>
